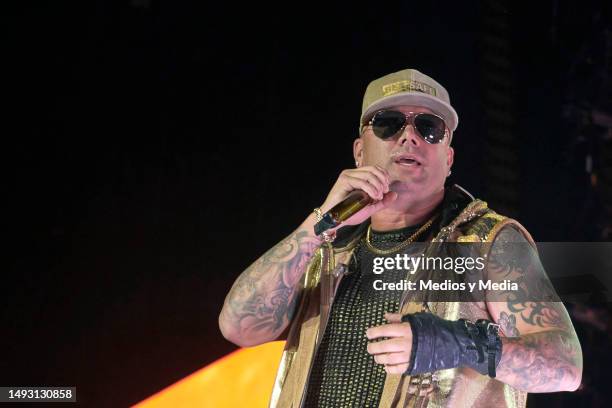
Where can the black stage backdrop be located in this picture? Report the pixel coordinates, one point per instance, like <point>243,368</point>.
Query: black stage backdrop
<point>153,149</point>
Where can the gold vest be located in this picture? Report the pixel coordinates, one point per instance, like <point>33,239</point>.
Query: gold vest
<point>458,387</point>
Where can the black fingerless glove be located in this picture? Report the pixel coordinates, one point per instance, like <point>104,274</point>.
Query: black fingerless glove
<point>438,344</point>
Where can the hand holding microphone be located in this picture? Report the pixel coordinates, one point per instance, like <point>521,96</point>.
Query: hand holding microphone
<point>357,194</point>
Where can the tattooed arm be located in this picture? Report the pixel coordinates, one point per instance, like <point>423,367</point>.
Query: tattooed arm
<point>261,302</point>
<point>541,352</point>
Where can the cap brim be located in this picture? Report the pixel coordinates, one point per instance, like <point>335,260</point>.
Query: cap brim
<point>417,99</point>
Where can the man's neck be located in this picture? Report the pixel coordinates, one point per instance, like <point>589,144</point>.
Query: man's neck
<point>405,212</point>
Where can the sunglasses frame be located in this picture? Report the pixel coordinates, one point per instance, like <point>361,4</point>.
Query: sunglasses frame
<point>409,120</point>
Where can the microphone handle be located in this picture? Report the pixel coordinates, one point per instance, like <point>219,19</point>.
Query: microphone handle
<point>353,203</point>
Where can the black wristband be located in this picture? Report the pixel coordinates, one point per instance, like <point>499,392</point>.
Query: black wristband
<point>439,344</point>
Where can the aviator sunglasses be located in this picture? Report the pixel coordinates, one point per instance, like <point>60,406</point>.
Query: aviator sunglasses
<point>389,123</point>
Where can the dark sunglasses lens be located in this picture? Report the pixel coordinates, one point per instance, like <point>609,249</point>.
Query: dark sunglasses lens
<point>430,127</point>
<point>385,124</point>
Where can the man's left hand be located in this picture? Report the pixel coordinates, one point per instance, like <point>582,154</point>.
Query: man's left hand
<point>394,351</point>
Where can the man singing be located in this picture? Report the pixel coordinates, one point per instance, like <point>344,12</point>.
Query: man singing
<point>350,345</point>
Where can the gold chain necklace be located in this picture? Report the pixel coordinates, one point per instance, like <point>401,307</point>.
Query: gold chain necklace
<point>404,244</point>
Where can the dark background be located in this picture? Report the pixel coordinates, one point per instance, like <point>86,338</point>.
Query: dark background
<point>153,149</point>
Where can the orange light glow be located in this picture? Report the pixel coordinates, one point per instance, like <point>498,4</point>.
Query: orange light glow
<point>240,379</point>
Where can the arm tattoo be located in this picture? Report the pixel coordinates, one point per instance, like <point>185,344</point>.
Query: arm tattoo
<point>541,362</point>
<point>542,314</point>
<point>545,355</point>
<point>508,325</point>
<point>535,302</point>
<point>261,302</point>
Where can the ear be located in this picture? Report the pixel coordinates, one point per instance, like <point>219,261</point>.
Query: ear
<point>450,156</point>
<point>358,150</point>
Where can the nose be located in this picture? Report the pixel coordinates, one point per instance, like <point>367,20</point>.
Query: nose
<point>410,136</point>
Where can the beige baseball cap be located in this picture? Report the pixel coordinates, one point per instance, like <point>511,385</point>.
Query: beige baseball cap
<point>408,87</point>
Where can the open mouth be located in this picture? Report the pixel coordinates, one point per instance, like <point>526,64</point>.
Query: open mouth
<point>407,161</point>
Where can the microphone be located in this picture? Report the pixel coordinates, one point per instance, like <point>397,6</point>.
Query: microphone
<point>353,203</point>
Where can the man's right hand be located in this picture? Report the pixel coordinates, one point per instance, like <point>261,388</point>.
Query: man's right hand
<point>373,180</point>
